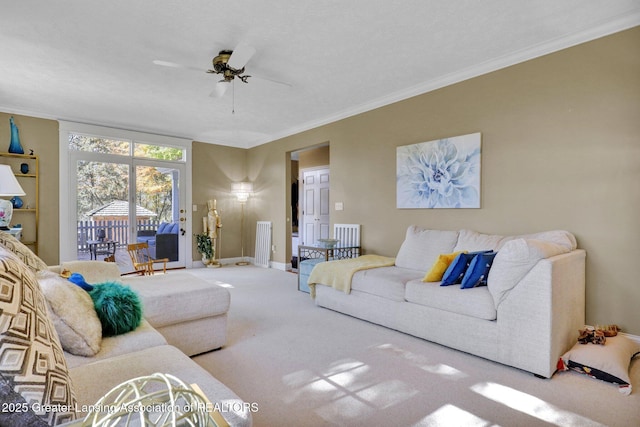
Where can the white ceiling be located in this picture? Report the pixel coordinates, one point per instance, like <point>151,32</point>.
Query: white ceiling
<point>92,61</point>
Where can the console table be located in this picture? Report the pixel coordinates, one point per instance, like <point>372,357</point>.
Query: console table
<point>309,256</point>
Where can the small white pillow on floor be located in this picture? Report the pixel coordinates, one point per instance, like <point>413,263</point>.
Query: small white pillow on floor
<point>609,362</point>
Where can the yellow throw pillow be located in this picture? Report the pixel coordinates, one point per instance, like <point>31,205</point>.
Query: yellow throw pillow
<point>440,266</point>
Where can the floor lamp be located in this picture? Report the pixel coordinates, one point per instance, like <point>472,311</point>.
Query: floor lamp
<point>242,191</point>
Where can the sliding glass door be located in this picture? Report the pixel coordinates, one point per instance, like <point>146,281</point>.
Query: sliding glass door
<point>125,191</point>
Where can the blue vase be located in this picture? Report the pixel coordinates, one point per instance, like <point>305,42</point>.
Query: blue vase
<point>14,146</point>
<point>16,202</point>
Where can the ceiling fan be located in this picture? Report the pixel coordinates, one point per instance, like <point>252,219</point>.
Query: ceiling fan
<point>230,64</point>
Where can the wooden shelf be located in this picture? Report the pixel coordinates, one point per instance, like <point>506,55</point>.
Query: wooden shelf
<point>31,187</point>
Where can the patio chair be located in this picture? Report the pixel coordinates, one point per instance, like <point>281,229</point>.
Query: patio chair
<point>142,261</point>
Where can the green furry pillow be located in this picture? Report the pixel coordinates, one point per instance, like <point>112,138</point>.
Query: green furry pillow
<point>118,307</point>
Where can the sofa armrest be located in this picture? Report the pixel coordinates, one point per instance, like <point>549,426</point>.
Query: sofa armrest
<point>93,271</point>
<point>539,320</point>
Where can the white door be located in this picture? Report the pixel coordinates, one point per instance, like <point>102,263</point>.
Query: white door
<point>315,205</point>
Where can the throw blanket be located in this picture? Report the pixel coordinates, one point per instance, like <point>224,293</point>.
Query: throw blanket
<point>338,273</point>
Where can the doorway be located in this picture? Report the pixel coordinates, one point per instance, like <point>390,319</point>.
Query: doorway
<point>308,160</point>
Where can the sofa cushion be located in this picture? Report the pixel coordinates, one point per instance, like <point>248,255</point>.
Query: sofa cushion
<point>387,282</point>
<point>439,267</point>
<point>478,271</point>
<point>470,241</point>
<point>168,228</point>
<point>92,271</point>
<point>71,310</point>
<point>474,302</point>
<point>514,260</point>
<point>32,357</point>
<point>177,297</point>
<point>421,247</point>
<point>165,359</point>
<point>25,254</point>
<point>144,336</point>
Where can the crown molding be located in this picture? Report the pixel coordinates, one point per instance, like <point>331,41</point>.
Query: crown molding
<point>623,22</point>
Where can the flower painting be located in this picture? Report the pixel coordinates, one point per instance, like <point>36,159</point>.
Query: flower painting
<point>439,174</point>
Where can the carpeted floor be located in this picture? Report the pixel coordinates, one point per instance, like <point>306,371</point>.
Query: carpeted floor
<point>308,366</point>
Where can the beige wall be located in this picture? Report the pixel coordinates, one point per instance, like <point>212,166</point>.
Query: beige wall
<point>560,150</point>
<point>314,157</point>
<point>41,136</point>
<point>214,168</point>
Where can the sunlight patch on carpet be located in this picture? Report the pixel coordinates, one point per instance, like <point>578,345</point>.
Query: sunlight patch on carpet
<point>531,405</point>
<point>224,285</point>
<point>451,415</point>
<point>423,363</point>
<point>347,390</point>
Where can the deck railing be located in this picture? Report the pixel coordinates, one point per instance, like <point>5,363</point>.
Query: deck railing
<point>117,230</point>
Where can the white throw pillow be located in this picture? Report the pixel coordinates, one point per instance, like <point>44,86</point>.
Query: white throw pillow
<point>421,247</point>
<point>609,362</point>
<point>514,260</point>
<point>71,310</point>
<point>559,237</point>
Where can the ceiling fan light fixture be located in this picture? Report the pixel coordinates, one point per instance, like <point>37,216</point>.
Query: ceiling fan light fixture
<point>221,66</point>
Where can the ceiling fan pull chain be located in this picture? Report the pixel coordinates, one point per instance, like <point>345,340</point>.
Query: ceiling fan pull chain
<point>233,96</point>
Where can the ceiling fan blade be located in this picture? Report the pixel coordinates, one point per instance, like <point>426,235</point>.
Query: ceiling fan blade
<point>270,80</point>
<point>176,65</point>
<point>240,56</point>
<point>167,64</point>
<point>220,89</point>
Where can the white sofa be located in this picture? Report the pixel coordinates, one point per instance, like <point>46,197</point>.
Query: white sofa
<point>189,312</point>
<point>526,317</point>
<point>184,315</point>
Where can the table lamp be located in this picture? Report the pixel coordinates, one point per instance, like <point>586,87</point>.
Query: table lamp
<point>9,187</point>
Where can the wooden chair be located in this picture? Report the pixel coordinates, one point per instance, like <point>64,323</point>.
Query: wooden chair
<point>142,261</point>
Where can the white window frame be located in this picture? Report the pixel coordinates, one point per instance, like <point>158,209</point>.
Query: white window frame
<point>65,198</point>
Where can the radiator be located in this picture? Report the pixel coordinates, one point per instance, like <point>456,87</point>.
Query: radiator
<point>348,234</point>
<point>263,244</point>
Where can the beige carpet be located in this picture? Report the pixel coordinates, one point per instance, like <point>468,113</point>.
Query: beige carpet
<point>308,366</point>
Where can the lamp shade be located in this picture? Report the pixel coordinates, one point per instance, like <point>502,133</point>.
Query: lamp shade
<point>9,185</point>
<point>242,190</point>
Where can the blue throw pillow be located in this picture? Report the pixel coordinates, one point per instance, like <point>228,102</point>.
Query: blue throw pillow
<point>456,270</point>
<point>78,279</point>
<point>478,270</point>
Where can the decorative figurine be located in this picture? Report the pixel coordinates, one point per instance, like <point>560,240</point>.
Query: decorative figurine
<point>213,224</point>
